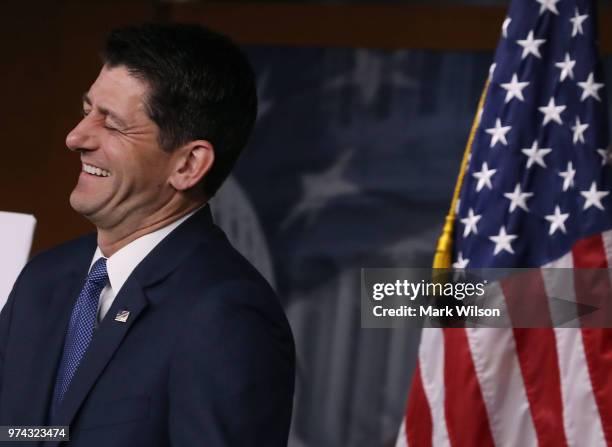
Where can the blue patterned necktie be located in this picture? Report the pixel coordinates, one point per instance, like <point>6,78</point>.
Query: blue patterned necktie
<point>80,329</point>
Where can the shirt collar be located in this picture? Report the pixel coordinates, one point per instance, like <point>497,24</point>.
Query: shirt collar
<point>123,262</point>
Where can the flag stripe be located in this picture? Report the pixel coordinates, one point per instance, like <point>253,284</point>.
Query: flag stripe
<point>401,440</point>
<point>502,386</point>
<point>536,351</point>
<point>580,414</point>
<point>605,350</point>
<point>431,355</point>
<point>607,243</point>
<point>418,415</point>
<point>465,418</point>
<point>559,284</point>
<point>590,253</point>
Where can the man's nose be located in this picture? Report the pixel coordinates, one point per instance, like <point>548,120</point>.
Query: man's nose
<point>82,137</point>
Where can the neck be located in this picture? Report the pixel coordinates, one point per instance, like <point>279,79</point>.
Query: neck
<point>111,240</point>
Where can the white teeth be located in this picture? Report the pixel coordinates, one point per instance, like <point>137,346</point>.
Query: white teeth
<point>95,170</point>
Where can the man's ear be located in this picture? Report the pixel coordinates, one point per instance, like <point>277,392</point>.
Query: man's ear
<point>191,163</point>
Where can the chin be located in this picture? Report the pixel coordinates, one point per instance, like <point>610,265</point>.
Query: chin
<point>83,205</point>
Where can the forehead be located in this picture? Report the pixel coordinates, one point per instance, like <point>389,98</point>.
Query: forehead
<point>117,87</point>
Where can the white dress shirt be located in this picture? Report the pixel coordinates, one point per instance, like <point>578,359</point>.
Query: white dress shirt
<point>123,262</point>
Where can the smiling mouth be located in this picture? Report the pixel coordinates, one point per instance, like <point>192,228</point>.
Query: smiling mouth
<point>94,170</point>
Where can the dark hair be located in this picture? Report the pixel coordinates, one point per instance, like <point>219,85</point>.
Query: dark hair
<point>201,87</point>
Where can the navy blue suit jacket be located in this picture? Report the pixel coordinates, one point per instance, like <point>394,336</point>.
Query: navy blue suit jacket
<point>206,357</point>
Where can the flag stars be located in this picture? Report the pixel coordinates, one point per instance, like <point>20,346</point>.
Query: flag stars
<point>564,77</point>
<point>503,241</point>
<point>567,68</point>
<point>603,153</point>
<point>577,21</point>
<point>568,176</point>
<point>498,133</point>
<point>505,26</point>
<point>536,155</point>
<point>531,46</point>
<point>552,112</point>
<point>484,177</point>
<point>514,89</point>
<point>579,130</point>
<point>461,263</point>
<point>518,198</point>
<point>557,221</point>
<point>492,70</point>
<point>590,88</point>
<point>593,197</point>
<point>548,5</point>
<point>470,223</point>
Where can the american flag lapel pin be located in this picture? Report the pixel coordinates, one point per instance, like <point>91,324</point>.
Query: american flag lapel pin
<point>122,316</point>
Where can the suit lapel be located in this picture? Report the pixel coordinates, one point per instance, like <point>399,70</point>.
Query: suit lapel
<point>107,338</point>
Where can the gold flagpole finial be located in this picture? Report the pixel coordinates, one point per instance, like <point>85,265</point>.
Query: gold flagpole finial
<point>444,249</point>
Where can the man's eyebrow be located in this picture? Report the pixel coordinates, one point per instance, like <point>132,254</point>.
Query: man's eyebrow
<point>116,118</point>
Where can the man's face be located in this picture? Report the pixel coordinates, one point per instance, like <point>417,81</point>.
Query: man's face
<point>124,170</point>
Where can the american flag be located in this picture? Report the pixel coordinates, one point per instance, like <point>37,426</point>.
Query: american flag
<point>535,193</point>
